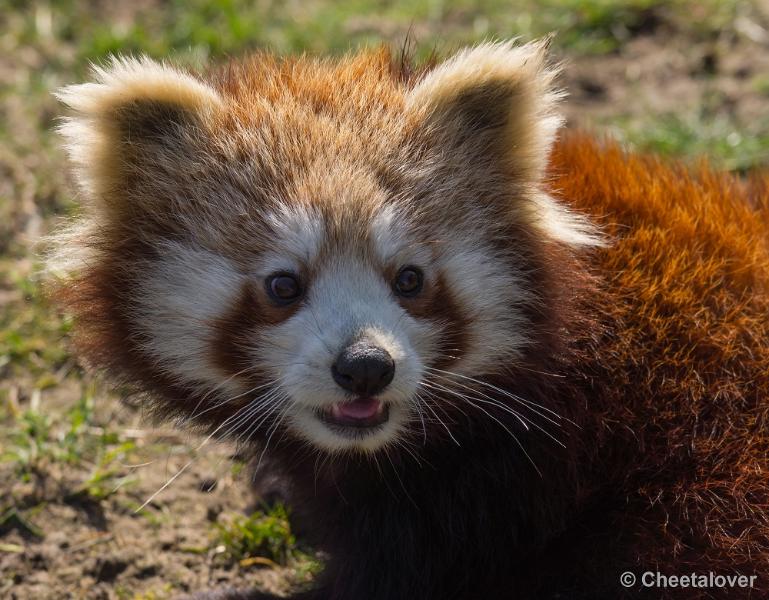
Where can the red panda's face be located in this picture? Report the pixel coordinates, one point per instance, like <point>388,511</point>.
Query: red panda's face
<point>335,325</point>
<point>314,256</point>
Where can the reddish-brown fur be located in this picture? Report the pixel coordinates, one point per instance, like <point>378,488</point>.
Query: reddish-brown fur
<point>656,346</point>
<point>677,419</point>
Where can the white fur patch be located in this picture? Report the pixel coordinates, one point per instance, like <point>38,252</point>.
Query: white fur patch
<point>298,232</point>
<point>176,305</point>
<point>387,233</point>
<point>348,299</point>
<point>392,242</point>
<point>491,296</point>
<point>562,225</point>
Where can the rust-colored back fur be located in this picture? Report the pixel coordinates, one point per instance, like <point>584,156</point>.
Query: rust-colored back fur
<point>683,366</point>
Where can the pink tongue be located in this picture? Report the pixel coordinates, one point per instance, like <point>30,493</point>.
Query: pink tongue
<point>364,408</point>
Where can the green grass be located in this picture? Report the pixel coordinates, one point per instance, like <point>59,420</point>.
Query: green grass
<point>264,539</point>
<point>31,334</point>
<point>263,534</point>
<point>33,440</point>
<point>108,474</point>
<point>719,138</point>
<point>760,84</point>
<point>204,28</point>
<point>10,516</point>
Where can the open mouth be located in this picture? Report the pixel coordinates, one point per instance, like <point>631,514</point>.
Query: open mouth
<point>360,414</point>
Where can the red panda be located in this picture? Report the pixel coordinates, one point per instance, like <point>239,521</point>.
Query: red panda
<point>490,363</point>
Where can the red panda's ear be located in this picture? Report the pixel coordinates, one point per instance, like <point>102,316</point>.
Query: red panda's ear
<point>137,119</point>
<point>493,101</point>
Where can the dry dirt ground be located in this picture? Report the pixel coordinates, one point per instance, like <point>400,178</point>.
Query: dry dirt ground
<point>78,461</point>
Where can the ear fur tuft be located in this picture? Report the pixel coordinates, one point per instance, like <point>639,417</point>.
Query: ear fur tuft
<point>127,79</point>
<point>495,93</point>
<point>496,103</point>
<point>135,110</point>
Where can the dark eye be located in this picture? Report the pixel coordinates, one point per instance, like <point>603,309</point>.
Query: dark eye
<point>408,282</point>
<point>284,288</point>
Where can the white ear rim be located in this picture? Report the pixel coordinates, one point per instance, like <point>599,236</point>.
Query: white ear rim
<point>125,79</point>
<point>537,102</point>
<point>477,64</point>
<point>90,134</point>
<point>534,118</point>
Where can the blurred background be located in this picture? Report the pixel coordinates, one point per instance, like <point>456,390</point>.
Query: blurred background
<point>684,78</point>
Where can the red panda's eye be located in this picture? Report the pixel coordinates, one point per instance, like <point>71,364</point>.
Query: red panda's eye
<point>408,281</point>
<point>284,288</point>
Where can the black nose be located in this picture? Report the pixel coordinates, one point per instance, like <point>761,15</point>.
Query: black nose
<point>363,369</point>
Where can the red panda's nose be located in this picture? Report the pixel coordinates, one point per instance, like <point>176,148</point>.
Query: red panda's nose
<point>363,369</point>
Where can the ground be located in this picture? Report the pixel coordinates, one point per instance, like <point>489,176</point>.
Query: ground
<point>77,460</point>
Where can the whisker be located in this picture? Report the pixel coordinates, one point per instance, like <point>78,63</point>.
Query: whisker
<point>264,402</point>
<point>187,465</point>
<point>507,393</point>
<point>438,419</point>
<point>211,391</point>
<point>465,397</point>
<point>522,418</point>
<point>276,399</point>
<point>501,424</point>
<point>228,400</point>
<point>272,431</point>
<point>400,481</point>
<point>421,415</point>
<point>402,443</point>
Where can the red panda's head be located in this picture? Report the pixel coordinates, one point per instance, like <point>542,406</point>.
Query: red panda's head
<point>313,246</point>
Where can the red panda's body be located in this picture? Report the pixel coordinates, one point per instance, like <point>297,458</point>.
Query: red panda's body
<point>473,393</point>
<point>682,357</point>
